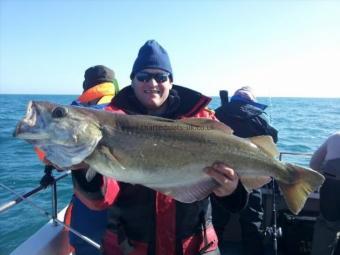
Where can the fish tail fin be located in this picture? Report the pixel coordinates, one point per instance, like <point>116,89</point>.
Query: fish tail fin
<point>296,193</point>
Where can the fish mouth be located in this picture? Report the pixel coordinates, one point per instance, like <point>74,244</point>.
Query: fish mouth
<point>31,126</point>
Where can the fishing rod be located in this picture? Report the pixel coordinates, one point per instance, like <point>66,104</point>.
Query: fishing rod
<point>49,215</point>
<point>274,231</point>
<point>46,181</point>
<point>22,198</point>
<point>52,217</point>
<point>12,203</point>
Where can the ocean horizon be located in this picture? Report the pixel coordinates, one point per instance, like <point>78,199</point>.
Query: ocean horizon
<point>212,96</point>
<point>303,124</point>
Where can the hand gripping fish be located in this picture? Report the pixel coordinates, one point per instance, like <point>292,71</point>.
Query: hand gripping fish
<point>166,155</point>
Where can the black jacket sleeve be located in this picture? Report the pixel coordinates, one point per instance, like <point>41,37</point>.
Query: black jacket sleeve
<point>92,189</point>
<point>234,202</point>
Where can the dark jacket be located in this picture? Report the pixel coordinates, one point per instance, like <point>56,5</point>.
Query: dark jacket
<point>144,221</point>
<point>329,203</point>
<point>245,119</point>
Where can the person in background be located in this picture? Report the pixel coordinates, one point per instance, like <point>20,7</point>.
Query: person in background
<point>326,159</point>
<point>100,86</point>
<point>141,220</point>
<point>247,118</point>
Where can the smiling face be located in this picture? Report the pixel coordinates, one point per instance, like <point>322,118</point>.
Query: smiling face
<point>152,87</point>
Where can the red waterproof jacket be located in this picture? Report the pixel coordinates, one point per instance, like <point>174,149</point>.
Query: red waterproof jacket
<point>143,221</point>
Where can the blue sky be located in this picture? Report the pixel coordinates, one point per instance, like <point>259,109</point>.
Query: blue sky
<point>280,48</point>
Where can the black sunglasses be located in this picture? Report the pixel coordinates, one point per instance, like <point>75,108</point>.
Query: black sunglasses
<point>146,77</point>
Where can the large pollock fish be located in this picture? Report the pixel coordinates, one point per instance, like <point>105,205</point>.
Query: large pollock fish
<point>166,155</point>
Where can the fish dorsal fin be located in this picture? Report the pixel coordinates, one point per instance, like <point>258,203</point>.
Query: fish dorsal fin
<point>208,124</point>
<point>266,144</point>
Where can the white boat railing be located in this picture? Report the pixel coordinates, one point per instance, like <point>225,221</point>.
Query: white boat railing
<point>295,154</point>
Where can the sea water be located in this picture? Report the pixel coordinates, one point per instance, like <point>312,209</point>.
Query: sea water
<point>303,124</point>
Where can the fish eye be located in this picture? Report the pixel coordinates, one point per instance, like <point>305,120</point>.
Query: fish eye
<point>59,112</point>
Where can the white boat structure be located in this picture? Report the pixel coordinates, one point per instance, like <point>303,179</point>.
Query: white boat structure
<point>52,238</point>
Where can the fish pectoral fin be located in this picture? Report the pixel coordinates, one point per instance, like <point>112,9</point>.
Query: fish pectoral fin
<point>108,154</point>
<point>254,182</point>
<point>305,181</point>
<point>266,144</point>
<point>190,193</point>
<point>208,124</point>
<point>90,174</point>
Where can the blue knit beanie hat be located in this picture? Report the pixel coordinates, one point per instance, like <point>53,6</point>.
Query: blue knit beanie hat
<point>152,55</point>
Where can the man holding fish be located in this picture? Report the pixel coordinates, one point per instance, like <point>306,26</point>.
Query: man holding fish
<point>165,149</point>
<point>151,222</point>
